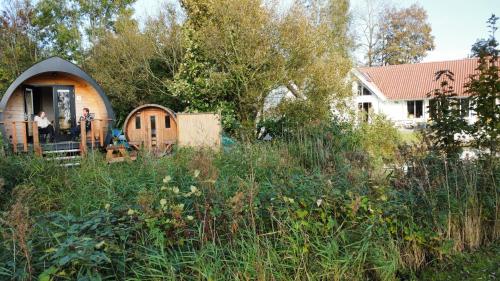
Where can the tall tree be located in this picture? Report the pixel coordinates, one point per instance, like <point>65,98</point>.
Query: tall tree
<point>484,87</point>
<point>315,43</point>
<point>69,28</point>
<point>18,50</point>
<point>231,62</point>
<point>368,18</point>
<point>137,66</point>
<point>119,63</point>
<point>58,29</point>
<point>99,16</point>
<point>404,36</point>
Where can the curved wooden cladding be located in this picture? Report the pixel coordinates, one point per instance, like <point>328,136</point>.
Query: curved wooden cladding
<point>139,128</point>
<point>86,96</point>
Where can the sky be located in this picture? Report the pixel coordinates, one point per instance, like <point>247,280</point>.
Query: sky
<point>456,24</point>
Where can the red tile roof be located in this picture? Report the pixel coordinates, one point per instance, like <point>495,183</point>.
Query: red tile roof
<point>414,81</point>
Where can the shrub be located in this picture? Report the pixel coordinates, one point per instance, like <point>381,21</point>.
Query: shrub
<point>303,208</point>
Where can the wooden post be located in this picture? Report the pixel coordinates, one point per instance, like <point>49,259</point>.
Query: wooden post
<point>14,137</point>
<point>36,140</point>
<point>25,137</point>
<point>101,133</point>
<point>83,138</point>
<point>92,134</point>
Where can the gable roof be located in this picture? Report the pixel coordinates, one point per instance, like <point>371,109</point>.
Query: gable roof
<point>414,81</point>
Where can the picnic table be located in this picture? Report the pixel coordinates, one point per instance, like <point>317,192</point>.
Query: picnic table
<point>118,153</point>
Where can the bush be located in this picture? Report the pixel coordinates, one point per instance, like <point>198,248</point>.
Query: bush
<point>304,208</point>
<point>381,140</point>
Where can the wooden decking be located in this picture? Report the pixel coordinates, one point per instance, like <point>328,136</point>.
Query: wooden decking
<point>93,139</point>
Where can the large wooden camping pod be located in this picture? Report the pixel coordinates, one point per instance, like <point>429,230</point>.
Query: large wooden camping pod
<point>62,90</point>
<point>152,126</point>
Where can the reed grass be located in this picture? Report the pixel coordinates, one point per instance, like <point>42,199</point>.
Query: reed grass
<point>307,208</point>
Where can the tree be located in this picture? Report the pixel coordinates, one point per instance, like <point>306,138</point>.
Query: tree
<point>447,123</point>
<point>119,63</point>
<point>18,50</point>
<point>315,43</point>
<point>231,62</point>
<point>237,52</point>
<point>404,36</point>
<point>99,16</point>
<point>369,18</point>
<point>57,24</point>
<point>69,28</point>
<point>138,66</point>
<point>484,88</point>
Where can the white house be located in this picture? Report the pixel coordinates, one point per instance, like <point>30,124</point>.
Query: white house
<point>400,91</point>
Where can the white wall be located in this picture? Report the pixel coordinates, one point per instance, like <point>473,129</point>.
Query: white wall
<point>395,110</point>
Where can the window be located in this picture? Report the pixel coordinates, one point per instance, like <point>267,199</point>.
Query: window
<point>464,107</point>
<point>363,91</point>
<point>415,108</point>
<point>138,121</point>
<point>167,122</point>
<point>365,108</point>
<point>153,126</point>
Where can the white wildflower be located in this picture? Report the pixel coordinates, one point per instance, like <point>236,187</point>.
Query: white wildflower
<point>130,212</point>
<point>167,179</point>
<point>163,202</point>
<point>190,218</point>
<point>319,202</point>
<point>175,189</point>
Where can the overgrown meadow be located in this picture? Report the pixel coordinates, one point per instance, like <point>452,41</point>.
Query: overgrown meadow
<point>318,206</point>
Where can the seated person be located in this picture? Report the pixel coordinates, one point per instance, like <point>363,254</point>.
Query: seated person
<point>44,126</point>
<point>75,132</point>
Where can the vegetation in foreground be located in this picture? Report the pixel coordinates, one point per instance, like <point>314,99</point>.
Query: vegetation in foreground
<point>315,207</point>
<point>479,265</point>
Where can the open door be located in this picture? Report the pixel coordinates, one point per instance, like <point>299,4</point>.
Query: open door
<point>28,109</point>
<point>64,111</point>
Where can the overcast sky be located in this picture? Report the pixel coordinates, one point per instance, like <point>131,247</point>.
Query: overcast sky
<point>456,24</point>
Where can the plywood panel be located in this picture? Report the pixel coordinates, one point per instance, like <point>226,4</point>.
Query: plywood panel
<point>199,130</point>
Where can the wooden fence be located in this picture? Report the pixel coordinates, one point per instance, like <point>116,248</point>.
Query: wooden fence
<point>96,136</point>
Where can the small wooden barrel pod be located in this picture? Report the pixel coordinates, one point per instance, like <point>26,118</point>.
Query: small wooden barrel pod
<point>152,126</point>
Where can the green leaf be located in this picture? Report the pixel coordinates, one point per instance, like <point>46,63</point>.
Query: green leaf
<point>45,275</point>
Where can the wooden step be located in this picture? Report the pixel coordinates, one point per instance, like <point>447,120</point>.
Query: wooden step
<point>60,158</point>
<point>61,151</point>
<point>71,164</point>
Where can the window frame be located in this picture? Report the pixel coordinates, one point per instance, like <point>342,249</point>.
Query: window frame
<point>168,124</point>
<point>416,110</point>
<point>138,121</point>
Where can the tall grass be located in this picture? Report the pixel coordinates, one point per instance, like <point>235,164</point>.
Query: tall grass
<point>307,208</point>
